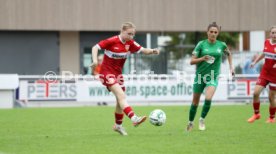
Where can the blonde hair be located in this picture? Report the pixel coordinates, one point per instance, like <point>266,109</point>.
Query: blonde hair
<point>272,27</point>
<point>127,25</point>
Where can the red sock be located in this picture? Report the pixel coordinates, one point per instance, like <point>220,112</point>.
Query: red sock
<point>129,112</point>
<point>256,107</point>
<point>272,112</point>
<point>119,118</point>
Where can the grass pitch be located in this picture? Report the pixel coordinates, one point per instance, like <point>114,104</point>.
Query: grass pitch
<point>87,130</point>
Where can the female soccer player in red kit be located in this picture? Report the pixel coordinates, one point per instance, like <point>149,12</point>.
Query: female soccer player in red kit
<point>117,48</point>
<point>267,77</point>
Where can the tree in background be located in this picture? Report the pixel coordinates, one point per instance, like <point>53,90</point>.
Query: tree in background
<point>184,43</point>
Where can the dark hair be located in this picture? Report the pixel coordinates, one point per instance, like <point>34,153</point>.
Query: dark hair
<point>214,24</point>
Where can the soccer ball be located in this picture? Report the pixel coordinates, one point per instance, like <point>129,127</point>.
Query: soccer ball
<point>157,117</point>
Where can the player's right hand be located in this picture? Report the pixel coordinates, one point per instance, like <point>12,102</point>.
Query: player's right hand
<point>252,65</point>
<point>206,58</point>
<point>93,65</point>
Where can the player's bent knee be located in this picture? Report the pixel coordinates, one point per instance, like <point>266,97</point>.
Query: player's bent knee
<point>256,94</point>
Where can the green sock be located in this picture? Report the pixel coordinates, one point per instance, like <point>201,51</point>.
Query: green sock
<point>192,114</point>
<point>206,108</point>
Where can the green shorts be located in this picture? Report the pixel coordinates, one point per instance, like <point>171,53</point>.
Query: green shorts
<point>200,84</point>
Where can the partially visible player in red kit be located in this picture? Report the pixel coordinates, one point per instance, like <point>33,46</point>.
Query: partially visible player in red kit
<point>117,48</point>
<point>267,77</point>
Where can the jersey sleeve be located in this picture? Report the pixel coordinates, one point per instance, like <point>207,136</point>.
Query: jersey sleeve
<point>197,49</point>
<point>105,44</point>
<point>135,47</point>
<point>265,46</point>
<point>225,48</point>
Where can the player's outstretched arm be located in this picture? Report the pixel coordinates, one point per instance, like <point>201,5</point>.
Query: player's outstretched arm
<point>148,51</point>
<point>260,57</point>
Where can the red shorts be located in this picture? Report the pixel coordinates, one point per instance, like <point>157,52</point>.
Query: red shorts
<point>110,79</point>
<point>263,82</point>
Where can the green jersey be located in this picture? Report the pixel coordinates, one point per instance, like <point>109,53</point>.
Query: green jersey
<point>215,51</point>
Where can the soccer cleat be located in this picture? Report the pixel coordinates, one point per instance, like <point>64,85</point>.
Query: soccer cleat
<point>138,120</point>
<point>120,130</point>
<point>270,120</point>
<point>254,117</point>
<point>201,125</point>
<point>190,126</point>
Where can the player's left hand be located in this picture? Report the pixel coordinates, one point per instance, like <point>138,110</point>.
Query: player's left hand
<point>274,66</point>
<point>155,51</point>
<point>232,71</point>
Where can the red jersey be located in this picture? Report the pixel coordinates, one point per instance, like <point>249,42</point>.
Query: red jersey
<point>268,72</point>
<point>116,52</point>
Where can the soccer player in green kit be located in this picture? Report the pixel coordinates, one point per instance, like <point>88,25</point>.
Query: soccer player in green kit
<point>207,56</point>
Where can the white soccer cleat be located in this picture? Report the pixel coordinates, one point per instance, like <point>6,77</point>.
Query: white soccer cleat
<point>201,125</point>
<point>120,129</point>
<point>136,121</point>
<point>190,126</point>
